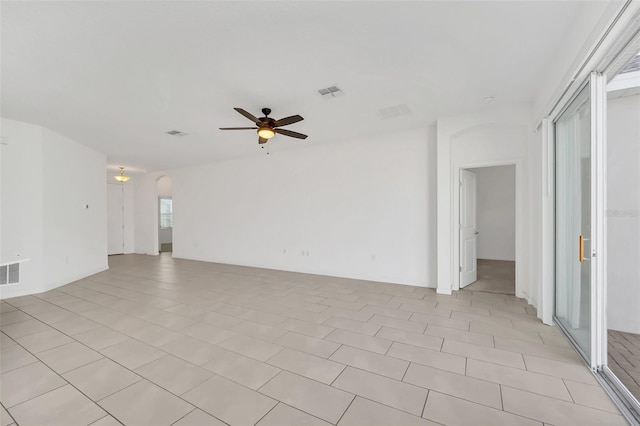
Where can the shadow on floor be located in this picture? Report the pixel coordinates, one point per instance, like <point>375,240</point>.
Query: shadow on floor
<point>495,276</point>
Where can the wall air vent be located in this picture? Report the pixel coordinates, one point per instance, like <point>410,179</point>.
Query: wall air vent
<point>10,274</point>
<point>331,92</point>
<point>394,111</point>
<point>176,133</point>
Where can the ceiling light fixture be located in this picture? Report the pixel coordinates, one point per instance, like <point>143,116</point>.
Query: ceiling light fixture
<point>266,132</point>
<point>121,177</point>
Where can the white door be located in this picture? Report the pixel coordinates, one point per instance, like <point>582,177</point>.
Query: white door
<point>115,219</point>
<point>468,231</point>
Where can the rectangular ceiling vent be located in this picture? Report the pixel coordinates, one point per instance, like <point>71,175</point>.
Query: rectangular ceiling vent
<point>331,92</point>
<point>176,133</point>
<point>394,111</point>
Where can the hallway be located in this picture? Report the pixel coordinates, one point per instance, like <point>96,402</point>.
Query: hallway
<point>495,276</point>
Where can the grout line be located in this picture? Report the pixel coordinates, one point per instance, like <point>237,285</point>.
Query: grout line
<point>405,372</point>
<point>347,409</point>
<point>250,300</point>
<point>564,383</point>
<point>425,403</point>
<point>104,417</point>
<point>104,357</point>
<point>267,413</point>
<point>10,415</point>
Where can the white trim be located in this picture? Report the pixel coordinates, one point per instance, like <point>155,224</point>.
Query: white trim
<point>156,217</point>
<point>546,289</point>
<point>598,219</point>
<point>520,232</point>
<point>10,260</point>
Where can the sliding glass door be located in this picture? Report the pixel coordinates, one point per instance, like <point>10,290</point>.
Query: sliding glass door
<point>597,219</point>
<point>573,310</point>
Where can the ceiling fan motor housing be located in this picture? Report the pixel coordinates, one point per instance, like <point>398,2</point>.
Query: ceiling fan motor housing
<point>267,127</point>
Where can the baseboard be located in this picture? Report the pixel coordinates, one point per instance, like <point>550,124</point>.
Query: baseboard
<point>310,272</point>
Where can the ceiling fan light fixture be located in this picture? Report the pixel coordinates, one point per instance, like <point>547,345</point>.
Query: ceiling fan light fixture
<point>121,177</point>
<point>266,132</point>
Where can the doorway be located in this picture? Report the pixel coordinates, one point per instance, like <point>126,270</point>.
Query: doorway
<point>115,218</point>
<point>165,214</point>
<point>488,229</point>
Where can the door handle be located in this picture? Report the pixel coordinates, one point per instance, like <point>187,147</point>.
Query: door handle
<point>581,248</point>
<point>476,232</point>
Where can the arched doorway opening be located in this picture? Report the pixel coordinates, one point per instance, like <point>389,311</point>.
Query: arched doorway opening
<point>165,214</point>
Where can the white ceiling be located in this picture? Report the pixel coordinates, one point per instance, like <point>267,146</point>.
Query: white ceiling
<point>116,75</point>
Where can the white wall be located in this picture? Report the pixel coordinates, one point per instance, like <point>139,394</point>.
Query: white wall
<point>363,209</point>
<point>75,209</point>
<point>496,212</point>
<point>47,180</point>
<point>21,203</point>
<point>623,218</point>
<point>492,137</point>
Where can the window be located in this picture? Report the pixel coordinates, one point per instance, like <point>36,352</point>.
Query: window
<point>166,213</point>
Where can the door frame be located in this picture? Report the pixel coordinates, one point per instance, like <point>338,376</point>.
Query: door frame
<point>521,291</point>
<point>122,217</point>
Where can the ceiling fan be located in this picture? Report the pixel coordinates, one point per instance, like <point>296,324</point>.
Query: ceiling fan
<point>267,127</point>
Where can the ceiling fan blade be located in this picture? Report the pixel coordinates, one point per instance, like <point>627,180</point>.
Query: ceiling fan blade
<point>290,133</point>
<point>248,115</point>
<point>262,140</point>
<point>238,128</point>
<point>287,120</point>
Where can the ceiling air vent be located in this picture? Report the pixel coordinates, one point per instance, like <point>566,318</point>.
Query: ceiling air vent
<point>331,92</point>
<point>176,133</point>
<point>394,111</point>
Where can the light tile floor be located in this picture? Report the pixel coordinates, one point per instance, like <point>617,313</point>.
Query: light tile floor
<point>160,341</point>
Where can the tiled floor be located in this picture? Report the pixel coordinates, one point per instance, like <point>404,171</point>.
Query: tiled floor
<point>159,341</point>
<point>495,276</point>
<point>624,359</point>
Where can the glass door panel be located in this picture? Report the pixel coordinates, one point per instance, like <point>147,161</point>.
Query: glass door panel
<point>573,221</point>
